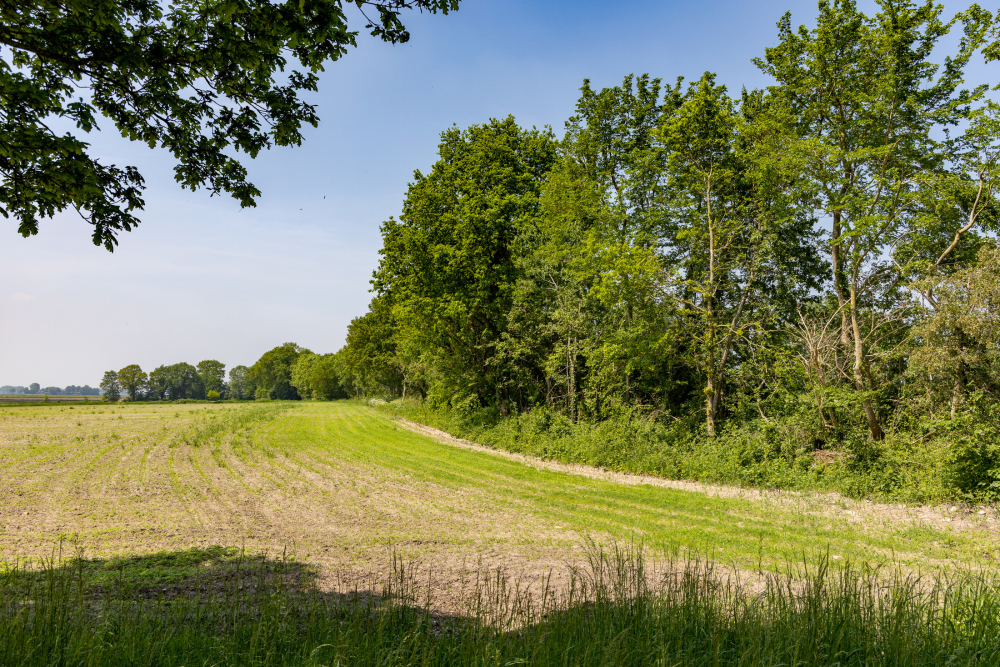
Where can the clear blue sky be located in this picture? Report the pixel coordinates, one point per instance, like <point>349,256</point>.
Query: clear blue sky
<point>202,278</point>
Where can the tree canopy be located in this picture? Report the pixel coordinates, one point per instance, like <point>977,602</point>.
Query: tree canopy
<point>202,80</point>
<point>816,252</point>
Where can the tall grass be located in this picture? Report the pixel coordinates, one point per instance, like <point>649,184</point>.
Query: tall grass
<point>613,612</point>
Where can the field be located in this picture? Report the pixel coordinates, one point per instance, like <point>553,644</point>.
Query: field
<point>56,398</point>
<point>328,533</point>
<point>346,489</point>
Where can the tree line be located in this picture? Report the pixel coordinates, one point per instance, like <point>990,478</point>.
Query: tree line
<point>287,372</point>
<point>35,388</point>
<point>821,252</point>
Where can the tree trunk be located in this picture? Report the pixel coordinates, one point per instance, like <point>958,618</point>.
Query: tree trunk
<point>571,377</point>
<point>711,405</point>
<point>840,287</point>
<point>874,426</point>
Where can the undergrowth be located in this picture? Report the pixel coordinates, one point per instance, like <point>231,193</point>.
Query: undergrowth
<point>948,459</point>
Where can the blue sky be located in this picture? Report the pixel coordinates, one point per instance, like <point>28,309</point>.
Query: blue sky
<point>203,279</point>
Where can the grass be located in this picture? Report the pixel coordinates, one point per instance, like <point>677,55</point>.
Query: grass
<point>265,612</point>
<point>343,486</point>
<point>400,549</point>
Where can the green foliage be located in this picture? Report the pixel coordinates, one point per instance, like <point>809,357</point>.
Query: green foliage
<point>448,267</point>
<point>320,377</point>
<point>272,374</point>
<point>133,380</point>
<point>791,288</point>
<point>864,106</point>
<point>213,375</point>
<point>176,382</point>
<point>110,385</point>
<point>212,395</point>
<point>369,357</point>
<point>241,387</point>
<point>200,79</point>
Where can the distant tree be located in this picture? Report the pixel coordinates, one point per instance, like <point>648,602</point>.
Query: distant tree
<point>318,377</point>
<point>33,388</point>
<point>370,353</point>
<point>53,391</point>
<point>212,395</point>
<point>176,382</point>
<point>204,80</point>
<point>133,380</point>
<point>213,374</point>
<point>272,374</point>
<point>112,389</point>
<point>240,386</point>
<point>87,390</point>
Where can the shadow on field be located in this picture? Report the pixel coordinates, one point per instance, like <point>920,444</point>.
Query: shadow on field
<point>218,606</point>
<point>214,575</point>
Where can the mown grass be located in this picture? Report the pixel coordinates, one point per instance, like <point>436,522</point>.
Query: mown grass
<point>340,478</point>
<point>748,531</point>
<point>739,579</point>
<point>613,613</point>
<point>949,460</point>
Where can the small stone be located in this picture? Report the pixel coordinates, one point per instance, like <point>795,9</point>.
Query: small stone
<point>982,511</point>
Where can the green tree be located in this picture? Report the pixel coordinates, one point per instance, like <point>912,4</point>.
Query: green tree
<point>112,390</point>
<point>34,387</point>
<point>864,103</point>
<point>736,248</point>
<point>272,374</point>
<point>133,380</point>
<point>448,262</point>
<point>176,382</point>
<point>240,386</point>
<point>318,377</point>
<point>203,80</point>
<point>213,375</point>
<point>369,355</point>
<point>548,321</point>
<point>958,343</point>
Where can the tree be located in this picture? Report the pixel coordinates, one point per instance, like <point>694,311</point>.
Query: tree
<point>864,103</point>
<point>958,343</point>
<point>448,264</point>
<point>133,380</point>
<point>213,375</point>
<point>732,238</point>
<point>176,382</point>
<point>240,386</point>
<point>203,80</point>
<point>272,374</point>
<point>34,387</point>
<point>610,266</point>
<point>112,390</point>
<point>318,377</point>
<point>369,355</point>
